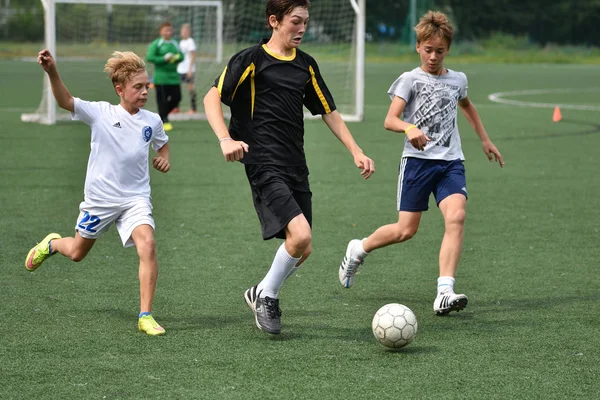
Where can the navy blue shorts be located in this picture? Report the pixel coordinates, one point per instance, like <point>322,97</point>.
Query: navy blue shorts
<point>418,178</point>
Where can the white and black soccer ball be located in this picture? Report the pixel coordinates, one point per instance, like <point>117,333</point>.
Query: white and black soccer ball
<point>394,325</point>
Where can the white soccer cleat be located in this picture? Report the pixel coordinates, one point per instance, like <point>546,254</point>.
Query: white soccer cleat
<point>449,301</point>
<point>349,265</point>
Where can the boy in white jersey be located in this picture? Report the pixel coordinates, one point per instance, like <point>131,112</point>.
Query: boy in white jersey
<point>187,67</point>
<point>432,162</point>
<point>117,183</point>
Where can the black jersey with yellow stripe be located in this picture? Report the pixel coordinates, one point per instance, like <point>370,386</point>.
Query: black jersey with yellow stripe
<point>266,93</point>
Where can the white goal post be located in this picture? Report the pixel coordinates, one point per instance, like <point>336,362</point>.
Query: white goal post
<point>82,34</point>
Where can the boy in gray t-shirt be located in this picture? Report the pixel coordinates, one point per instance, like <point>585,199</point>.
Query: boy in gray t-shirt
<point>424,107</point>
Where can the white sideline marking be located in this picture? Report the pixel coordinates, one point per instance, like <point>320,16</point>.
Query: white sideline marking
<point>15,110</point>
<point>499,98</point>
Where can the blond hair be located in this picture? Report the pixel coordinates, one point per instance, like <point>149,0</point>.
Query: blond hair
<point>122,65</point>
<point>434,24</point>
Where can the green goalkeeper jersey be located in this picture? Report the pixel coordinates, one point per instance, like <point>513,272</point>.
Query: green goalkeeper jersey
<point>165,71</point>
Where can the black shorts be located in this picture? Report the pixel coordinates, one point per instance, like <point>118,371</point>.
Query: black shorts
<point>279,194</point>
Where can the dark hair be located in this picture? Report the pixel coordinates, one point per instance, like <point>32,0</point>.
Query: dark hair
<point>280,8</point>
<point>164,25</point>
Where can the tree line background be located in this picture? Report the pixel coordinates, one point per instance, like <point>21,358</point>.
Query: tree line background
<point>540,22</point>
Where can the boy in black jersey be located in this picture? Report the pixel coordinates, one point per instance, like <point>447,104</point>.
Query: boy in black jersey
<point>266,86</point>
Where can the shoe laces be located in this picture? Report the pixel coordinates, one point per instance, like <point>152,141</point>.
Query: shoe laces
<point>41,253</point>
<point>352,265</point>
<point>272,306</point>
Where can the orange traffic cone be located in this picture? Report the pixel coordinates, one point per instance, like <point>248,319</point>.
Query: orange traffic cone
<point>556,116</point>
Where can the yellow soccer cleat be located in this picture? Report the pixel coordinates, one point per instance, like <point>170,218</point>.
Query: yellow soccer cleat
<point>40,252</point>
<point>168,127</point>
<point>150,326</point>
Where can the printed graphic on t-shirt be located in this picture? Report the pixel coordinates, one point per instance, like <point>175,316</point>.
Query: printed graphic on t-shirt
<point>436,110</point>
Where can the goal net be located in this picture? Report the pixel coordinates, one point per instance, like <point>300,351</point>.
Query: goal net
<point>82,34</point>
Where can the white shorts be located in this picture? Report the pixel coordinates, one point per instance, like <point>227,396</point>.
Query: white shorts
<point>95,219</point>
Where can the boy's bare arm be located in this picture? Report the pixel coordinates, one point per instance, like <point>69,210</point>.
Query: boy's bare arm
<point>394,123</point>
<point>471,114</point>
<point>161,161</point>
<point>338,127</point>
<point>192,62</point>
<point>60,91</point>
<point>232,150</point>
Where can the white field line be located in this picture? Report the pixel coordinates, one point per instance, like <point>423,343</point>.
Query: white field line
<point>499,97</point>
<point>16,110</point>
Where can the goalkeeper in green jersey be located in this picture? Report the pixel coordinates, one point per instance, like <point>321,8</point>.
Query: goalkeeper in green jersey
<point>165,54</point>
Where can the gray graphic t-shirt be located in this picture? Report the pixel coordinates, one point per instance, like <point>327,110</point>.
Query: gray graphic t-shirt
<point>431,105</point>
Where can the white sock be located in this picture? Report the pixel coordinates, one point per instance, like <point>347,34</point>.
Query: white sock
<point>358,250</point>
<point>282,265</point>
<point>445,284</point>
<point>292,272</point>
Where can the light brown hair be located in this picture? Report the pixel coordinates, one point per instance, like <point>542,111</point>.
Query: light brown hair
<point>434,24</point>
<point>122,65</point>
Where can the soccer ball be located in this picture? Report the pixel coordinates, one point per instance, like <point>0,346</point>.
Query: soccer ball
<point>394,325</point>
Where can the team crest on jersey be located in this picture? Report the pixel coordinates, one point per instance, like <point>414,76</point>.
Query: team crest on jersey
<point>147,133</point>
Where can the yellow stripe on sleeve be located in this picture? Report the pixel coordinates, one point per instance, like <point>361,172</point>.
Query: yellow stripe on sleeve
<point>252,91</point>
<point>318,90</point>
<point>248,70</point>
<point>221,79</point>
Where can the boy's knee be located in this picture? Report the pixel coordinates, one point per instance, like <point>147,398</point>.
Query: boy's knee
<point>456,217</point>
<point>308,251</point>
<point>403,233</point>
<point>146,247</point>
<point>77,255</point>
<point>300,242</point>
